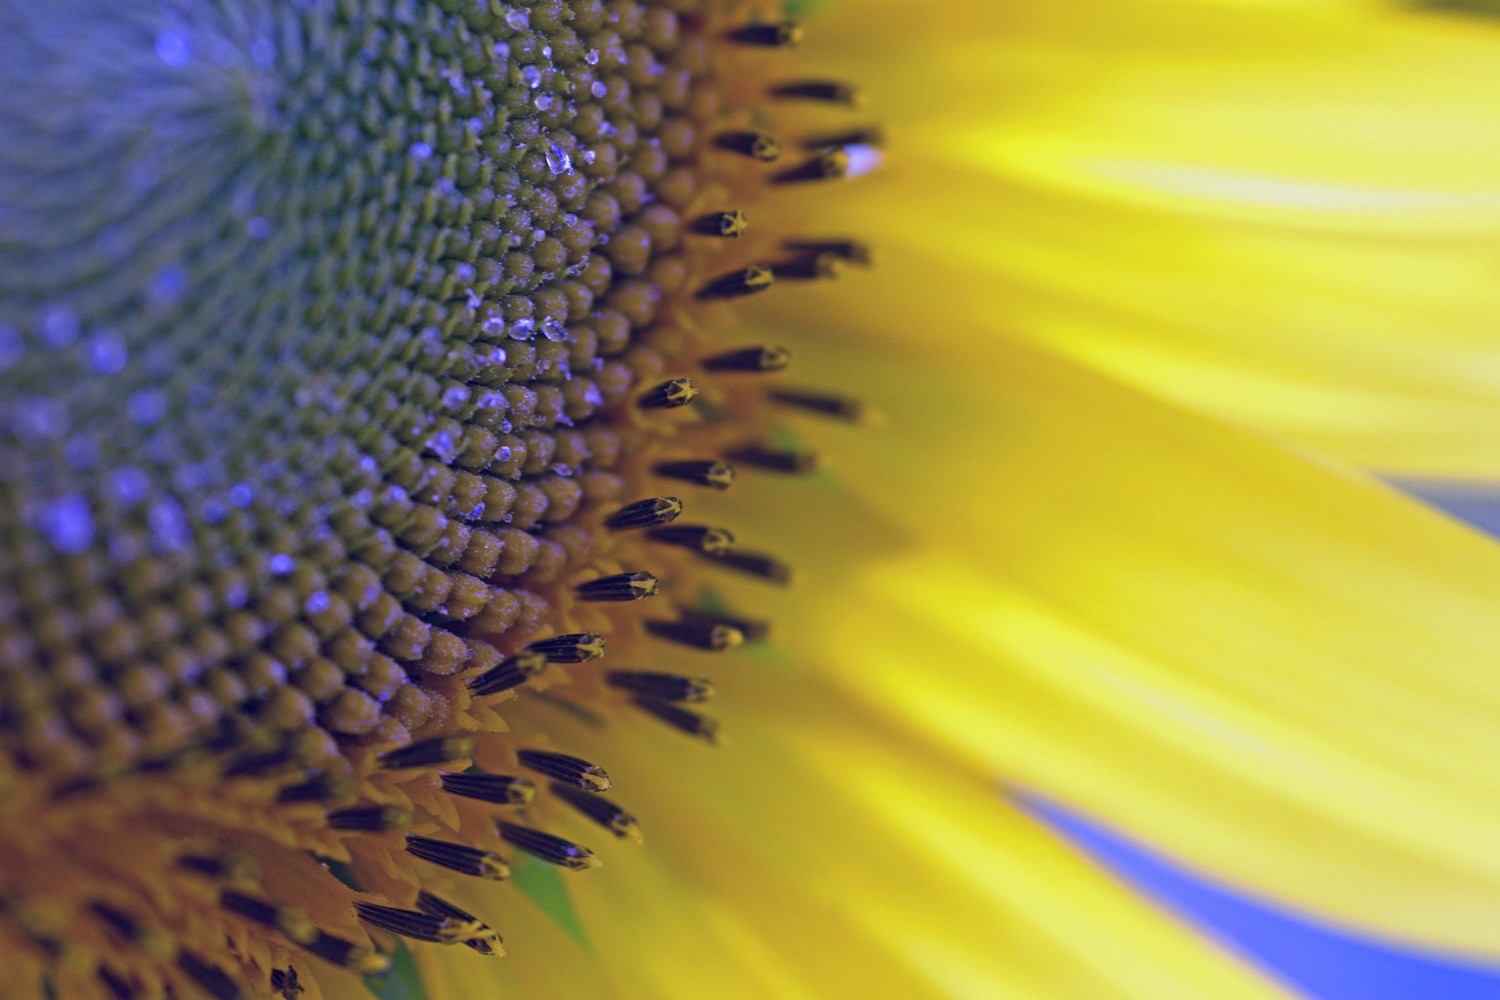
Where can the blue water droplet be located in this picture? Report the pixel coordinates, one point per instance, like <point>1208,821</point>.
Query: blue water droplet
<point>173,49</point>
<point>68,523</point>
<point>107,353</point>
<point>558,160</point>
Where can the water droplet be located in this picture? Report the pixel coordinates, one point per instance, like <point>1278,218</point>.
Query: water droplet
<point>212,511</point>
<point>598,89</point>
<point>455,396</point>
<point>263,52</point>
<point>60,326</point>
<point>169,526</point>
<point>591,57</point>
<point>531,76</point>
<point>522,329</point>
<point>863,159</point>
<point>441,445</point>
<point>146,407</point>
<point>554,331</point>
<point>237,595</point>
<point>317,602</point>
<point>281,564</point>
<point>517,19</point>
<point>558,160</point>
<point>68,523</point>
<point>106,353</point>
<point>172,48</point>
<point>167,285</point>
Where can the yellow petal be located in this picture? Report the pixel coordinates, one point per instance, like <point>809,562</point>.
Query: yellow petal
<point>817,854</point>
<point>1285,213</point>
<point>1276,670</point>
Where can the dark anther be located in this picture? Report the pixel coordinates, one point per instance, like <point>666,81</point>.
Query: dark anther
<point>602,811</point>
<point>753,629</point>
<point>576,647</point>
<point>475,934</point>
<point>75,786</point>
<point>712,636</point>
<point>670,394</point>
<point>752,279</point>
<point>500,789</point>
<point>117,985</point>
<point>619,587</point>
<point>371,819</point>
<point>775,459</point>
<point>348,955</point>
<point>117,920</point>
<point>289,922</point>
<point>827,165</point>
<point>645,514</point>
<point>698,537</point>
<point>758,564</point>
<point>780,34</point>
<point>853,251</point>
<point>825,404</point>
<point>547,847</point>
<point>257,910</point>
<point>680,718</point>
<point>574,770</point>
<point>830,91</point>
<point>757,145</point>
<point>230,866</point>
<point>750,359</point>
<point>511,672</point>
<point>285,982</point>
<point>663,687</point>
<point>323,789</point>
<point>423,753</point>
<point>458,857</point>
<point>210,978</point>
<point>255,765</point>
<point>809,267</point>
<point>411,923</point>
<point>719,475</point>
<point>871,135</point>
<point>730,223</point>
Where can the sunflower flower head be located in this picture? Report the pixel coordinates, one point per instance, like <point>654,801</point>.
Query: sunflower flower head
<point>361,364</point>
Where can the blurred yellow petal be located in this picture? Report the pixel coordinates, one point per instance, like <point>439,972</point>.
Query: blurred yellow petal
<point>1276,670</point>
<point>1286,213</point>
<point>822,852</point>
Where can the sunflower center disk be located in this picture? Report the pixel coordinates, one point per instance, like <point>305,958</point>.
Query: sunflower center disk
<point>353,379</point>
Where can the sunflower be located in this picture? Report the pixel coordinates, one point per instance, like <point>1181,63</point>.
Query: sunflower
<point>371,369</point>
